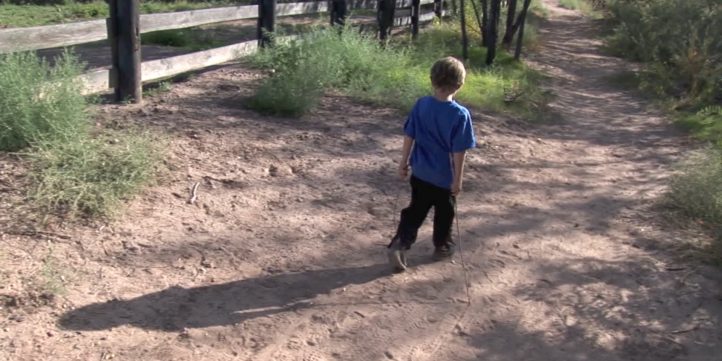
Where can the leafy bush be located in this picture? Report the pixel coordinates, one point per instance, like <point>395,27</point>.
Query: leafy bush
<point>41,12</point>
<point>73,171</point>
<point>323,59</point>
<point>91,175</point>
<point>39,102</point>
<point>697,190</point>
<point>680,41</point>
<point>395,75</point>
<point>706,124</point>
<point>582,5</point>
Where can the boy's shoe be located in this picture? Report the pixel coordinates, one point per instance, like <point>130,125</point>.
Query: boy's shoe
<point>443,252</point>
<point>397,255</point>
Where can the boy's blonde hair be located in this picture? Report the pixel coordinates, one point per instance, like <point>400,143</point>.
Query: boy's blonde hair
<point>448,73</point>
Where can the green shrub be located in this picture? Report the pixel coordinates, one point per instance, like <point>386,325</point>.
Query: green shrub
<point>323,59</point>
<point>73,171</point>
<point>39,102</point>
<point>288,94</point>
<point>697,190</point>
<point>706,124</point>
<point>582,5</point>
<point>42,12</point>
<point>91,175</point>
<point>492,87</point>
<point>680,41</point>
<point>395,75</point>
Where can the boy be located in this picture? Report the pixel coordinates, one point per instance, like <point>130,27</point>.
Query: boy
<point>437,134</point>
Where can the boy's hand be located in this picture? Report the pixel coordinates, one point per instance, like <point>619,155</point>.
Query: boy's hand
<point>403,171</point>
<point>455,188</point>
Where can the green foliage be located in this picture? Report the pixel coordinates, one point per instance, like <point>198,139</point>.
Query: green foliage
<point>192,39</point>
<point>155,89</point>
<point>74,171</point>
<point>35,13</point>
<point>697,190</point>
<point>324,59</point>
<point>91,175</point>
<point>537,9</point>
<point>582,5</point>
<point>41,14</point>
<point>39,102</point>
<point>706,124</point>
<point>52,277</point>
<point>680,42</point>
<point>395,75</point>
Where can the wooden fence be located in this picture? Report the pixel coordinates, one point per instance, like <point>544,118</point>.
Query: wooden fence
<point>125,25</point>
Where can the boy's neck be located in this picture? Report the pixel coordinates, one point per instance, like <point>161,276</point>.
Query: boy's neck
<point>443,96</point>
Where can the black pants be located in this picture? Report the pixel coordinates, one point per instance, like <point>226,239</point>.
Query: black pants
<point>423,196</point>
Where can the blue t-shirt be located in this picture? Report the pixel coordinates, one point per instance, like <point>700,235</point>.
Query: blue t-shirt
<point>439,129</point>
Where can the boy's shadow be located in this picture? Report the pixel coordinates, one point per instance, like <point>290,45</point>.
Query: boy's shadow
<point>176,308</point>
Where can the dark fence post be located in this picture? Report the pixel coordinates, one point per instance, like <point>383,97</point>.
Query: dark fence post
<point>385,17</point>
<point>338,10</point>
<point>112,26</point>
<point>126,50</point>
<point>438,7</point>
<point>415,13</point>
<point>266,21</point>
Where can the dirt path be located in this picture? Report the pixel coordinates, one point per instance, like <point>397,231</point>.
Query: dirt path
<point>283,256</point>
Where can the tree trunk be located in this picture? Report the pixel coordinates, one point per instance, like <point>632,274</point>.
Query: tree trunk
<point>522,21</point>
<point>494,14</point>
<point>464,37</point>
<point>485,22</point>
<point>518,22</point>
<point>477,15</point>
<point>511,14</point>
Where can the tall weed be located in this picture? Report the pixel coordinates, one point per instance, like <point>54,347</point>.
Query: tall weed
<point>697,190</point>
<point>394,75</point>
<point>351,61</point>
<point>678,39</point>
<point>39,12</point>
<point>586,7</point>
<point>43,111</point>
<point>705,124</point>
<point>39,102</point>
<point>91,175</point>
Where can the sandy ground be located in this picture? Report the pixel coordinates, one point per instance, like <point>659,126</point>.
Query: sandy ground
<point>282,257</point>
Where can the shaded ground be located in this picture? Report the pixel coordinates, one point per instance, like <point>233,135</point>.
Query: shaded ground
<point>282,258</point>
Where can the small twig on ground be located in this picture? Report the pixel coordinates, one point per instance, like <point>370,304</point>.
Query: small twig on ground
<point>673,268</point>
<point>685,330</point>
<point>52,234</point>
<point>194,193</point>
<point>33,233</point>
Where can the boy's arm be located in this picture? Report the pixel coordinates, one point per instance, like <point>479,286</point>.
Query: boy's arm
<point>405,152</point>
<point>458,159</point>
